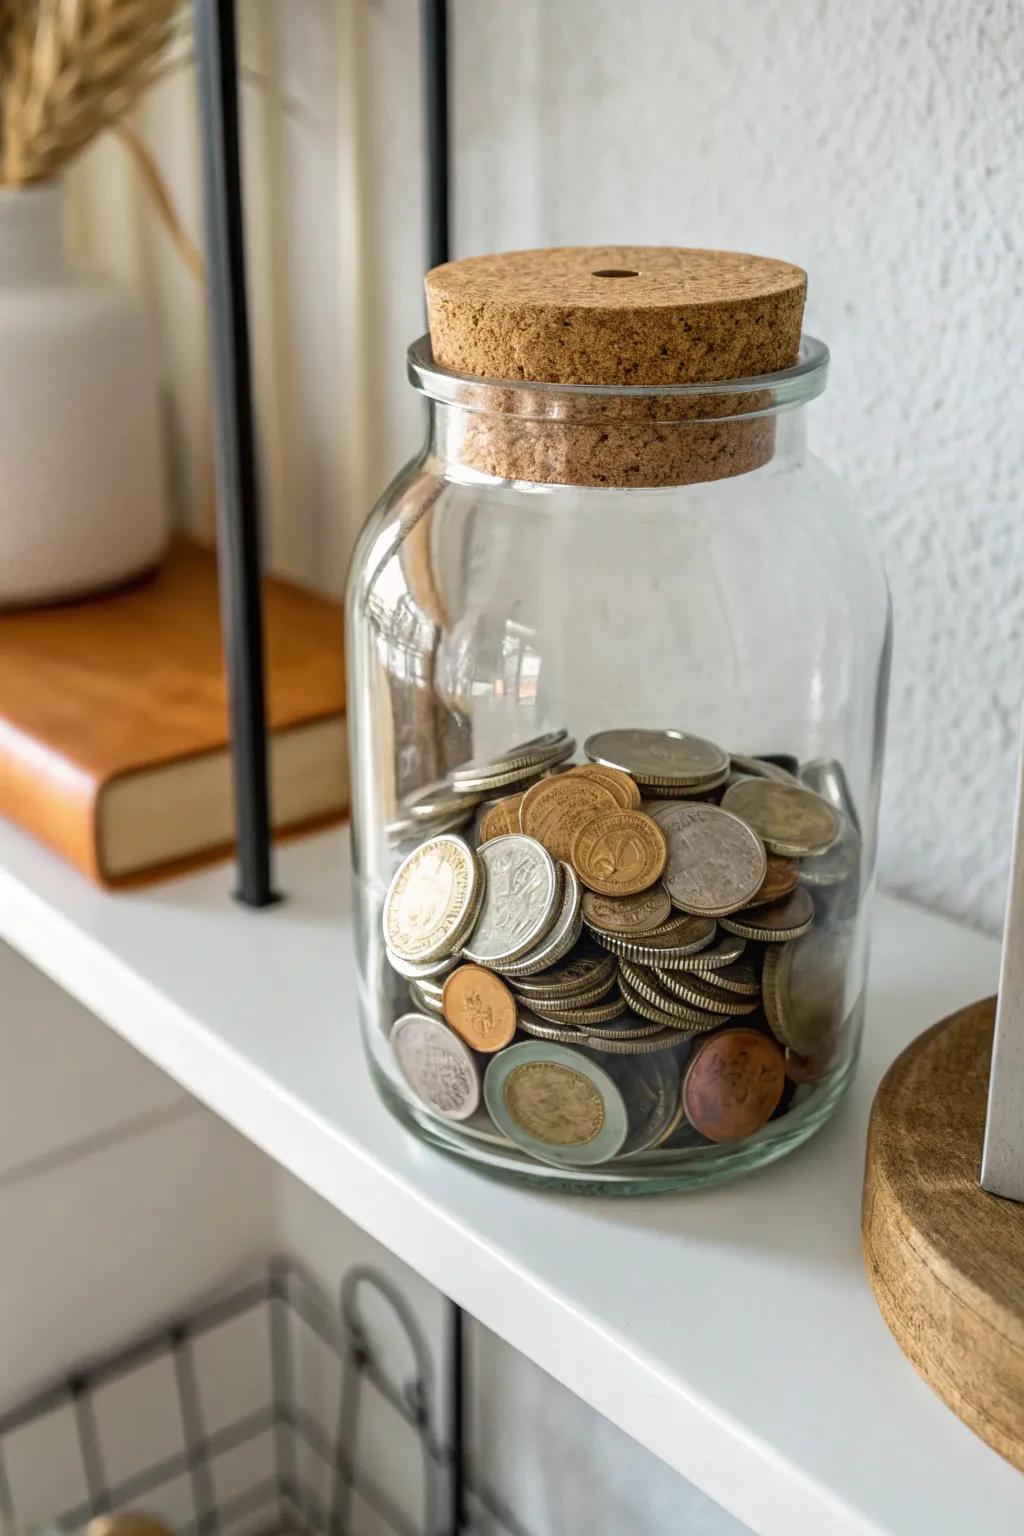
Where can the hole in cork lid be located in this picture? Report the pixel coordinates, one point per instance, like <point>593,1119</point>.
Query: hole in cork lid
<point>614,272</point>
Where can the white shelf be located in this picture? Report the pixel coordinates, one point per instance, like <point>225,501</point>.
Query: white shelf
<point>733,1332</point>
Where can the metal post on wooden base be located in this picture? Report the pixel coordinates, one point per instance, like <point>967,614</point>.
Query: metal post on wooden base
<point>1002,1163</point>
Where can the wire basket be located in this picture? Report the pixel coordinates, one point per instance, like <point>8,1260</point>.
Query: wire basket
<point>252,1404</point>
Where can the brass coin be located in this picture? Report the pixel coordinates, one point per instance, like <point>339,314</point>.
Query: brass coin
<point>619,853</point>
<point>780,878</point>
<point>669,949</point>
<point>554,1104</point>
<point>701,993</point>
<point>626,793</point>
<point>554,810</point>
<point>626,915</point>
<point>502,818</point>
<point>789,819</point>
<point>776,923</point>
<point>733,1084</point>
<point>804,991</point>
<point>479,1007</point>
<point>430,899</point>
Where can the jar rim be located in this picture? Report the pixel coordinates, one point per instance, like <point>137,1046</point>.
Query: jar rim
<point>759,395</point>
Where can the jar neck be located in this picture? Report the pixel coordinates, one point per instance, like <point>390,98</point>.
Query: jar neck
<point>616,453</point>
<point>32,252</point>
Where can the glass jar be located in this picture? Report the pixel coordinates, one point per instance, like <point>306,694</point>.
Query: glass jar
<point>504,592</point>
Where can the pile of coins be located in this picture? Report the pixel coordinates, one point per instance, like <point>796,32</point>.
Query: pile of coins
<point>622,955</point>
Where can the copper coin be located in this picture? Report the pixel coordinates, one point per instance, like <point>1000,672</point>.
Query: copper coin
<point>619,852</point>
<point>780,878</point>
<point>627,915</point>
<point>626,793</point>
<point>775,923</point>
<point>733,1084</point>
<point>502,818</point>
<point>554,810</point>
<point>479,1007</point>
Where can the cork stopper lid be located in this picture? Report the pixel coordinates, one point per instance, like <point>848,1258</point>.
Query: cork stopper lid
<point>607,315</point>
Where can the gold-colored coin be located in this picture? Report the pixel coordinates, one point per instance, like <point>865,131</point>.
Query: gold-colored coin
<point>434,894</point>
<point>626,792</point>
<point>789,819</point>
<point>643,913</point>
<point>776,923</point>
<point>502,818</point>
<point>780,878</point>
<point>479,1007</point>
<point>554,810</point>
<point>619,853</point>
<point>554,1104</point>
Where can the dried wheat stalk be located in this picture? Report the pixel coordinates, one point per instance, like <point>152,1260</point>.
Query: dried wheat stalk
<point>68,69</point>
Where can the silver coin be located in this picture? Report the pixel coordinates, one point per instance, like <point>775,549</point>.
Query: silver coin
<point>581,1014</point>
<point>728,949</point>
<point>662,792</point>
<point>578,974</point>
<point>658,757</point>
<point>560,1002</point>
<point>434,801</point>
<point>827,777</point>
<point>716,863</point>
<point>652,1090</point>
<point>439,1069</point>
<point>406,829</point>
<point>665,948</point>
<point>528,759</point>
<point>663,1039</point>
<point>521,900</point>
<point>838,863</point>
<point>759,768</point>
<point>425,1002</point>
<point>564,933</point>
<point>415,972</point>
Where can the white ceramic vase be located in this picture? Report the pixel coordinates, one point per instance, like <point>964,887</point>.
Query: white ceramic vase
<point>83,495</point>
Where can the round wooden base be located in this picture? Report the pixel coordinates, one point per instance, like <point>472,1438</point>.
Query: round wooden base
<point>945,1259</point>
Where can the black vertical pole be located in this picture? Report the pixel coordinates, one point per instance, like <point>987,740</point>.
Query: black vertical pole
<point>237,484</point>
<point>458,1369</point>
<point>434,36</point>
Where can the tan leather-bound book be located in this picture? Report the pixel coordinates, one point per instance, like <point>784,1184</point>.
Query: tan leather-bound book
<point>113,720</point>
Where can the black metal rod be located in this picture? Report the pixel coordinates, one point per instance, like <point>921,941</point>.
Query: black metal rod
<point>434,38</point>
<point>458,1371</point>
<point>238,520</point>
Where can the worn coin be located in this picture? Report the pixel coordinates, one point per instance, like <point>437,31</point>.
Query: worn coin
<point>658,757</point>
<point>837,864</point>
<point>578,974</point>
<point>480,1008</point>
<point>804,988</point>
<point>561,937</point>
<point>762,768</point>
<point>637,914</point>
<point>702,992</point>
<point>522,895</point>
<point>684,938</point>
<point>788,819</point>
<point>780,878</point>
<point>733,1084</point>
<point>651,1088</point>
<point>416,971</point>
<point>556,1103</point>
<point>580,1014</point>
<point>626,793</point>
<point>827,778</point>
<point>715,957</point>
<point>431,897</point>
<point>715,862</point>
<point>554,810</point>
<point>775,923</point>
<point>437,1065</point>
<point>619,853</point>
<point>424,1002</point>
<point>502,818</point>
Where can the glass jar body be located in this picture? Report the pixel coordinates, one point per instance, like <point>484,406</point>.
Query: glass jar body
<point>750,610</point>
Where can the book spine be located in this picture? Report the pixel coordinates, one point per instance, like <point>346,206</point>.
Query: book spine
<point>51,798</point>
